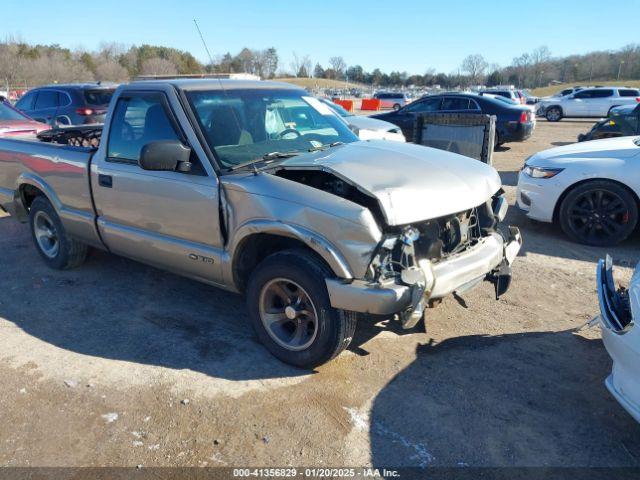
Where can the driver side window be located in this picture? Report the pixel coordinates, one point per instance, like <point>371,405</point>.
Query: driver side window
<point>138,120</point>
<point>583,94</point>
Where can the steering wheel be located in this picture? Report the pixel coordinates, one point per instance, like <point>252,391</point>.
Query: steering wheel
<point>287,131</point>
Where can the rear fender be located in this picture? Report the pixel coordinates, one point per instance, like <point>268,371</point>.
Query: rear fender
<point>20,208</point>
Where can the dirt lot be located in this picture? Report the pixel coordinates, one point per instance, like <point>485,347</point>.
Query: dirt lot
<point>116,363</point>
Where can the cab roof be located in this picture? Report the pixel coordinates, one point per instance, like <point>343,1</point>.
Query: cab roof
<point>189,84</point>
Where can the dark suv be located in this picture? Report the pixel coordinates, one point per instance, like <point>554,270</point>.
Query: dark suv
<point>69,104</point>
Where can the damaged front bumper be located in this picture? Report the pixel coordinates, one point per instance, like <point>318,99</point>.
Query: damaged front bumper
<point>490,259</point>
<point>620,335</point>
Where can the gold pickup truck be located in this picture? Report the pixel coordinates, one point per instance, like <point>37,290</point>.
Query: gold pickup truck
<point>258,188</point>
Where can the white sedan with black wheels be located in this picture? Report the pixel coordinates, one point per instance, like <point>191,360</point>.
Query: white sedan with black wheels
<point>591,189</point>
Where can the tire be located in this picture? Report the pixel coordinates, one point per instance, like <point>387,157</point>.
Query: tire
<point>396,107</point>
<point>57,249</point>
<point>553,114</point>
<point>599,213</point>
<point>295,280</point>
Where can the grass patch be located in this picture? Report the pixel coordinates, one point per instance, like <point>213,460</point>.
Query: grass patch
<point>319,83</point>
<point>545,91</point>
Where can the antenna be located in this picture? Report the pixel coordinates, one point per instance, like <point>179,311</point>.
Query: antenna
<point>224,91</point>
<point>203,42</point>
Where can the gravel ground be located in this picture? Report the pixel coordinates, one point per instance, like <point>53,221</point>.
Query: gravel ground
<point>117,363</point>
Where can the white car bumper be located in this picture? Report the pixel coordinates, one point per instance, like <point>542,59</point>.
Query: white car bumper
<point>623,344</point>
<point>537,197</point>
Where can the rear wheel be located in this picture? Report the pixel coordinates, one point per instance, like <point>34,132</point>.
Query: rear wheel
<point>56,248</point>
<point>553,114</point>
<point>291,313</point>
<point>396,106</point>
<point>599,213</point>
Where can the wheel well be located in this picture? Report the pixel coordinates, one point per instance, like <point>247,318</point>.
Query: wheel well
<point>555,106</point>
<point>556,210</point>
<point>255,248</point>
<point>28,194</point>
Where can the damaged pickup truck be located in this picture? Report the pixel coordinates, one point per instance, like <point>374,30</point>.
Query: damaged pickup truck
<point>257,188</point>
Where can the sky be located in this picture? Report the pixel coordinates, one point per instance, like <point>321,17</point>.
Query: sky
<point>409,35</point>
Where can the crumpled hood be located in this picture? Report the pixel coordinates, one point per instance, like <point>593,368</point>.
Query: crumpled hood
<point>411,182</point>
<point>619,147</point>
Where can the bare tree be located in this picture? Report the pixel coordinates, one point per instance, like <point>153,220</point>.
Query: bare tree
<point>539,59</point>
<point>295,63</point>
<point>521,66</point>
<point>474,66</point>
<point>338,65</point>
<point>111,71</point>
<point>158,66</point>
<point>305,67</point>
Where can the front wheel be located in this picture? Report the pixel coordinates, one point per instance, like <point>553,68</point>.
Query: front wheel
<point>599,213</point>
<point>291,313</point>
<point>553,114</point>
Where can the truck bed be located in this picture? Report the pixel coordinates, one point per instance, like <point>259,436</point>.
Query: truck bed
<point>61,171</point>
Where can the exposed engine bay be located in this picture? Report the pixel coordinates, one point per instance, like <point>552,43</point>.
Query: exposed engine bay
<point>409,254</point>
<point>328,182</point>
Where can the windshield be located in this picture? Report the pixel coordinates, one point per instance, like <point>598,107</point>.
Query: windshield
<point>98,97</point>
<point>243,125</point>
<point>505,99</point>
<point>339,109</point>
<point>7,112</point>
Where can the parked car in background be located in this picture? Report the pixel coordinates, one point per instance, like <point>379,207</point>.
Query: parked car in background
<point>591,189</point>
<point>14,123</point>
<point>619,316</point>
<point>514,122</point>
<point>365,127</point>
<point>504,99</point>
<point>257,187</point>
<point>589,102</point>
<point>621,122</point>
<point>392,100</point>
<point>67,104</point>
<point>529,98</point>
<point>511,94</point>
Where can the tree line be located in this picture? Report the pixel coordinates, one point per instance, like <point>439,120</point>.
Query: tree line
<point>22,64</point>
<point>529,70</point>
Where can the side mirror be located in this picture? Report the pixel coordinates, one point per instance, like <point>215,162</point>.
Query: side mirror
<point>165,155</point>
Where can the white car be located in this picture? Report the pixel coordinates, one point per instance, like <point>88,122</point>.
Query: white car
<point>588,102</point>
<point>393,100</point>
<point>619,312</point>
<point>511,101</point>
<point>367,128</point>
<point>590,188</point>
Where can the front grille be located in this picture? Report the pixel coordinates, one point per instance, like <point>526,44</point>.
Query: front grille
<point>448,235</point>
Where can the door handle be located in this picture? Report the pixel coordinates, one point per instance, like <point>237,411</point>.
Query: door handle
<point>105,181</point>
